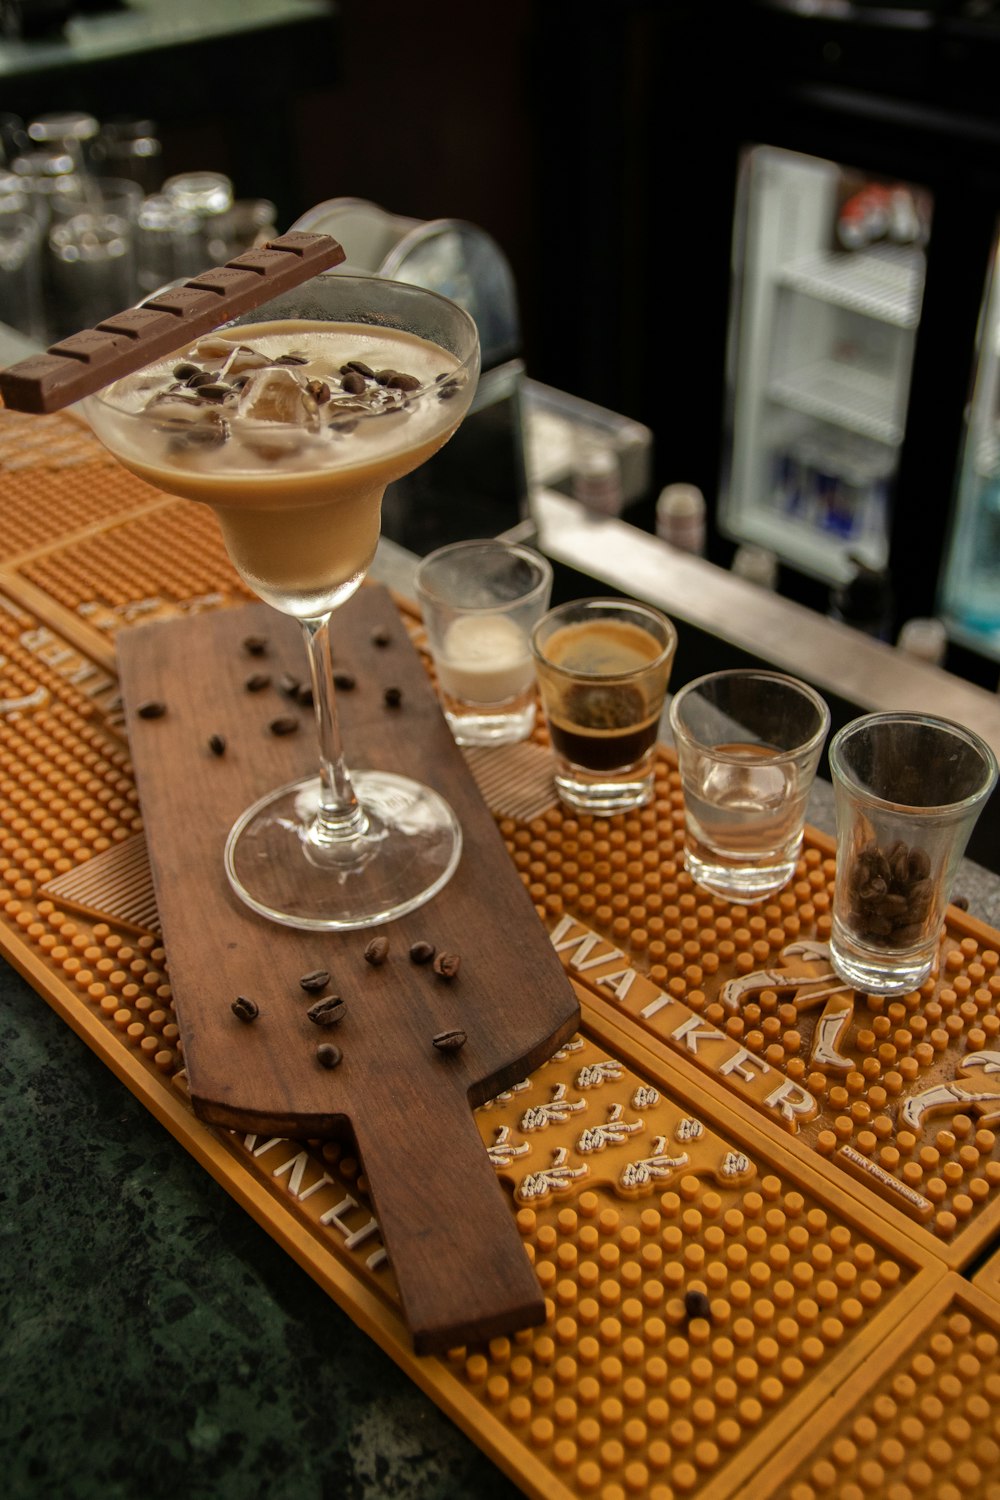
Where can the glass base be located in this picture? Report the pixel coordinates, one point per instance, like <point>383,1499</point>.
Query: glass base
<point>409,851</point>
<point>881,972</point>
<point>745,882</point>
<point>482,727</point>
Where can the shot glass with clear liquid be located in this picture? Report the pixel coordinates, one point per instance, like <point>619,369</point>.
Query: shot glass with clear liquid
<point>748,744</point>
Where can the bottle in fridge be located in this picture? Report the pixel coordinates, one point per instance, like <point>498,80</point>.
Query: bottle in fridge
<point>828,277</point>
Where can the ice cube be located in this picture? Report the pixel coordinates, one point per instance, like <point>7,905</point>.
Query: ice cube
<point>277,397</point>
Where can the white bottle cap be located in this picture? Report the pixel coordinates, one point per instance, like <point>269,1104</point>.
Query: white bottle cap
<point>925,639</point>
<point>756,565</point>
<point>680,517</point>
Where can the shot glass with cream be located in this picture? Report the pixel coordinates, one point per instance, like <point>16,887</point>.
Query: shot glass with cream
<point>480,601</point>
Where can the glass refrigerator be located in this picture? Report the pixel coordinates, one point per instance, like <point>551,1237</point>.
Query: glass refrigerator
<point>828,277</point>
<point>969,590</point>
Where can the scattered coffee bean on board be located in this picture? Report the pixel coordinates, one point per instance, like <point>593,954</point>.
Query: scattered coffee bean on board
<point>393,697</point>
<point>283,726</point>
<point>289,684</point>
<point>377,950</point>
<point>327,1055</point>
<point>328,1012</point>
<point>217,744</point>
<point>304,696</point>
<point>447,965</point>
<point>381,638</point>
<point>315,980</point>
<point>450,1041</point>
<point>153,709</point>
<point>255,645</point>
<point>421,952</point>
<point>257,682</point>
<point>244,1009</point>
<point>344,682</point>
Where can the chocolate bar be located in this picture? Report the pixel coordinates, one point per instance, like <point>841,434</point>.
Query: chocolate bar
<point>85,362</point>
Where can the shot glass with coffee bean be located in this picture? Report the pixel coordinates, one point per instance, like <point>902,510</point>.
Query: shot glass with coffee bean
<point>909,789</point>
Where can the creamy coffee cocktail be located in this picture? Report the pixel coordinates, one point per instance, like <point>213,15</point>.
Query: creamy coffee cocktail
<point>290,431</point>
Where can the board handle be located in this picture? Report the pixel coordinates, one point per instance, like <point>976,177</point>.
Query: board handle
<point>460,1263</point>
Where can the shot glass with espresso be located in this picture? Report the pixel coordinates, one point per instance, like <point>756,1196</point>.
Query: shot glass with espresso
<point>602,667</point>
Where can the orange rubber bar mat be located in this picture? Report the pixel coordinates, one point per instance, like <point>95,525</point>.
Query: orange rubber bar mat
<point>742,1190</point>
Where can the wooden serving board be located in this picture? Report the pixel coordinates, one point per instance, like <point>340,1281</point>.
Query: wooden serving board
<point>453,1243</point>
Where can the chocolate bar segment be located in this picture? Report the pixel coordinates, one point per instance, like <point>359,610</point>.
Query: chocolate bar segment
<point>87,361</point>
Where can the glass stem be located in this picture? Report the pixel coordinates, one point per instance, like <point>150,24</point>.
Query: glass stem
<point>340,818</point>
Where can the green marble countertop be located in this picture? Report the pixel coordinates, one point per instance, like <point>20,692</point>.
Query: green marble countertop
<point>155,1341</point>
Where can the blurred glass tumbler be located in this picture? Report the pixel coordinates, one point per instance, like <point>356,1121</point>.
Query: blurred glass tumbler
<point>908,791</point>
<point>603,667</point>
<point>480,600</point>
<point>748,744</point>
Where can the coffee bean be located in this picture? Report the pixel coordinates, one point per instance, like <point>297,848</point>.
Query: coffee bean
<point>360,366</point>
<point>383,377</point>
<point>284,726</point>
<point>450,1041</point>
<point>319,390</point>
<point>697,1305</point>
<point>344,682</point>
<point>289,685</point>
<point>327,1055</point>
<point>392,697</point>
<point>257,682</point>
<point>153,709</point>
<point>315,980</point>
<point>217,744</point>
<point>291,359</point>
<point>199,379</point>
<point>381,639</point>
<point>353,383</point>
<point>421,952</point>
<point>447,965</point>
<point>328,1012</point>
<point>185,370</point>
<point>245,1009</point>
<point>377,950</point>
<point>400,381</point>
<point>304,696</point>
<point>891,894</point>
<point>255,645</point>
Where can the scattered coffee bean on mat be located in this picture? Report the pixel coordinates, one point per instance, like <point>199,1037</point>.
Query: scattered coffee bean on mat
<point>153,709</point>
<point>450,1041</point>
<point>257,682</point>
<point>315,980</point>
<point>244,1009</point>
<point>392,697</point>
<point>255,645</point>
<point>328,1012</point>
<point>421,952</point>
<point>344,682</point>
<point>283,726</point>
<point>377,950</point>
<point>327,1055</point>
<point>447,965</point>
<point>697,1305</point>
<point>217,744</point>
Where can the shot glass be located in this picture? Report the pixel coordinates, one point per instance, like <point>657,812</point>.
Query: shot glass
<point>908,790</point>
<point>603,667</point>
<point>748,744</point>
<point>480,601</point>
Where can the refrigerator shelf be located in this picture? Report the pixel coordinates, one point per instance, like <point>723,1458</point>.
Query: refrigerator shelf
<point>885,283</point>
<point>844,395</point>
<point>817,553</point>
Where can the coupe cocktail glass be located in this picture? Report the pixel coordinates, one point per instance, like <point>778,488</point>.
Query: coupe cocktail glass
<point>349,383</point>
